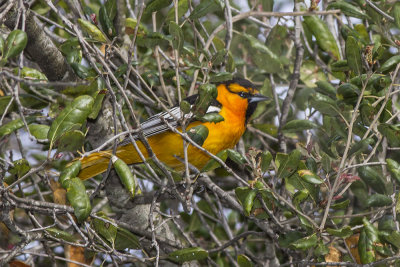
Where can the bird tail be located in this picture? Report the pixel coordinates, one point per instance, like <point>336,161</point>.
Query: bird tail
<point>97,163</point>
<point>94,164</point>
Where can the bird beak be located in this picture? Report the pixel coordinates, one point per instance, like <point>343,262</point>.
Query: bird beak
<point>257,98</point>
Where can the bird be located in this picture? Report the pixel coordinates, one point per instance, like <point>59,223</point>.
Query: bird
<point>236,101</point>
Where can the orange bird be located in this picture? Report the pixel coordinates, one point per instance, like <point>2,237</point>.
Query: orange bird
<point>236,101</point>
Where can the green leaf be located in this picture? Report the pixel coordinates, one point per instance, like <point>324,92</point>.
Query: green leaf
<point>278,40</point>
<point>219,57</point>
<point>299,197</point>
<point>72,50</point>
<point>325,39</point>
<point>15,43</point>
<point>188,254</point>
<point>20,168</point>
<point>353,55</point>
<point>368,237</point>
<point>372,178</point>
<point>326,88</point>
<point>311,164</point>
<point>213,164</point>
<point>105,229</point>
<point>244,261</point>
<point>343,232</point>
<point>27,100</point>
<point>14,125</point>
<point>156,5</point>
<point>249,201</point>
<point>394,169</point>
<point>198,134</point>
<point>288,238</point>
<point>2,45</point>
<point>324,104</point>
<point>261,54</point>
<point>298,126</point>
<point>378,200</point>
<point>60,234</point>
<point>341,205</point>
<point>183,6</point>
<point>311,73</point>
<point>266,159</point>
<point>80,70</point>
<point>151,39</point>
<point>92,30</point>
<point>348,93</point>
<point>72,116</point>
<point>394,239</point>
<point>310,177</point>
<point>396,14</point>
<point>125,175</point>
<point>361,147</point>
<point>348,9</point>
<point>221,77</point>
<point>106,23</point>
<point>39,131</point>
<point>371,230</point>
<point>205,7</point>
<point>391,132</point>
<point>236,157</point>
<point>125,239</point>
<point>387,223</point>
<point>210,117</point>
<point>111,8</point>
<point>390,64</point>
<point>32,74</point>
<point>71,141</point>
<point>365,248</point>
<point>305,242</point>
<point>76,194</point>
<point>94,87</point>
<point>289,166</point>
<point>131,24</point>
<point>207,92</point>
<point>98,101</point>
<point>340,66</point>
<point>69,172</point>
<point>294,184</point>
<point>177,36</point>
<point>321,249</point>
<point>230,64</point>
<point>185,107</point>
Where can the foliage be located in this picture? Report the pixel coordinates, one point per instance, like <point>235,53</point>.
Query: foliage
<point>315,178</point>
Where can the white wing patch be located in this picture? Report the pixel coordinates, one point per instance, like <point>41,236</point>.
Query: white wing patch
<point>155,124</point>
<point>213,109</point>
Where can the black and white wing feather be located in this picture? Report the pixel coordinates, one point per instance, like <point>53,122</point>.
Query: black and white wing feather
<point>156,125</point>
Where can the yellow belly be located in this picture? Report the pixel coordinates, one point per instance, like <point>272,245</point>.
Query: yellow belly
<point>168,146</point>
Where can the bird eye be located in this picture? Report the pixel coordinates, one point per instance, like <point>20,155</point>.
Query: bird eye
<point>242,94</point>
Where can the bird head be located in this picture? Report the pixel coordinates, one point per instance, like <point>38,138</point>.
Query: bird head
<point>239,96</point>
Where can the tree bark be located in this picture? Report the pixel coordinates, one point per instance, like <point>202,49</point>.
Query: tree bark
<point>41,49</point>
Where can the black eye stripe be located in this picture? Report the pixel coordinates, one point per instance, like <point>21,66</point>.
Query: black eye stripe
<point>241,94</point>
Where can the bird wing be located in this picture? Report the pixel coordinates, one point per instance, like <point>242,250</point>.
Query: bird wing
<point>156,125</point>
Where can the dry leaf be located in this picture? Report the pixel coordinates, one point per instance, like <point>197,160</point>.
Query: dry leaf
<point>352,243</point>
<point>16,263</point>
<point>76,254</point>
<point>333,255</point>
<point>258,211</point>
<point>59,193</point>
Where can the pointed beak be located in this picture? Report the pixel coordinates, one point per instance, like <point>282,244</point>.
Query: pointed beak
<point>257,98</point>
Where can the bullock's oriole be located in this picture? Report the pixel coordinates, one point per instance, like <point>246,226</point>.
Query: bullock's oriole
<point>236,101</point>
